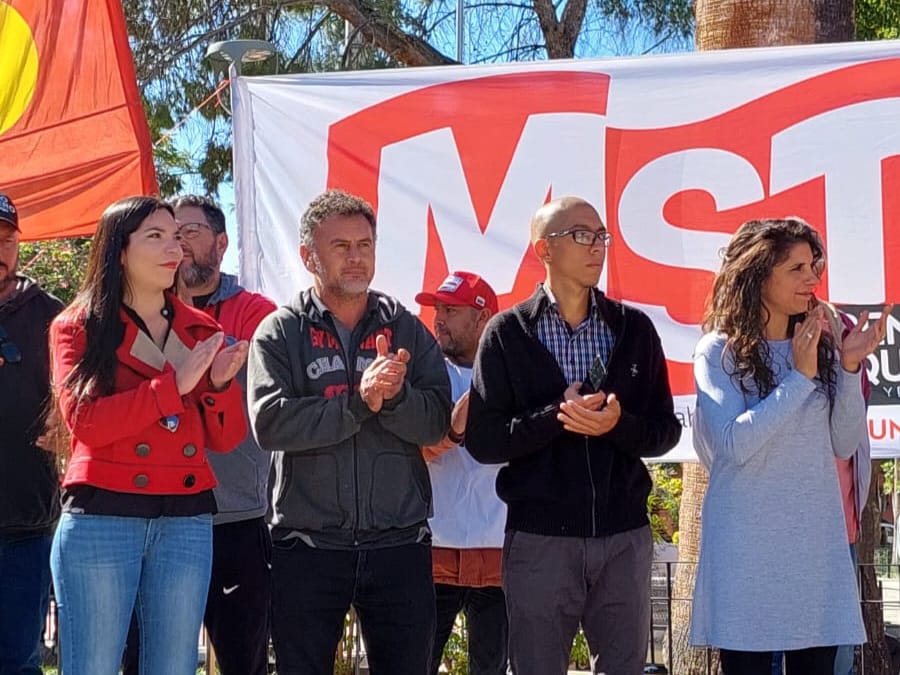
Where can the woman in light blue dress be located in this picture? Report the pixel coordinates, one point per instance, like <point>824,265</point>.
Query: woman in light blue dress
<point>777,399</point>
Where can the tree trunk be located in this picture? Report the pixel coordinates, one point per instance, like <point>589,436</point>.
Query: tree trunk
<point>685,659</point>
<point>834,20</point>
<point>724,24</point>
<point>560,35</point>
<point>875,657</point>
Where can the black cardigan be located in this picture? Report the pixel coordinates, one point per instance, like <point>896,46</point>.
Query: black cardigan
<point>559,483</point>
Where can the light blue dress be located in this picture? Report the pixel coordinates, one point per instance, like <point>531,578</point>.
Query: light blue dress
<point>774,570</point>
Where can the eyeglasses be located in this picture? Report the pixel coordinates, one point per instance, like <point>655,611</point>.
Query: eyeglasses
<point>192,230</point>
<point>584,237</point>
<point>8,350</point>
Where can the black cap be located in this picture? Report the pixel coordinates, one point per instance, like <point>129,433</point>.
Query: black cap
<point>8,213</point>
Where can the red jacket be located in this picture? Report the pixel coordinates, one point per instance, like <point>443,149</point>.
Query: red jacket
<point>120,441</point>
<point>240,313</point>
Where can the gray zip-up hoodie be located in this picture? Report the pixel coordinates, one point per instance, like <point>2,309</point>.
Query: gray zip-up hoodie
<point>346,477</point>
<point>243,474</point>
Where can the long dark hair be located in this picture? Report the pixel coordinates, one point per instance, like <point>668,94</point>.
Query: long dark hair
<point>736,307</point>
<point>100,298</point>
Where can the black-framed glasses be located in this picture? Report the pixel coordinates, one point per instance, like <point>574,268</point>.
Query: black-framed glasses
<point>191,230</point>
<point>584,237</point>
<point>8,349</point>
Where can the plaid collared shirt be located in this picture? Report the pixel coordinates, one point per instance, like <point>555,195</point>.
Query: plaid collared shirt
<point>576,349</point>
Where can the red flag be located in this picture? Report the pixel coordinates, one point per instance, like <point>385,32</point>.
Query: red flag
<point>73,136</point>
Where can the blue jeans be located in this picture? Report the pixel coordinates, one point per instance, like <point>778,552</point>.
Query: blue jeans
<point>24,595</point>
<point>106,566</point>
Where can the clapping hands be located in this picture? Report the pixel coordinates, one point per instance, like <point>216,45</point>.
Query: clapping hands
<point>222,364</point>
<point>862,339</point>
<point>384,377</point>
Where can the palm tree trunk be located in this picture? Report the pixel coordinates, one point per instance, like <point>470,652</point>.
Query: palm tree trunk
<point>724,24</point>
<point>874,656</point>
<point>685,659</point>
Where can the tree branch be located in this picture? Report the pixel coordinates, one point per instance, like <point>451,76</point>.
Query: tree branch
<point>572,18</point>
<point>384,34</point>
<point>309,38</point>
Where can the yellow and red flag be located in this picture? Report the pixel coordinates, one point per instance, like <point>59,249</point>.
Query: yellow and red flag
<point>73,135</point>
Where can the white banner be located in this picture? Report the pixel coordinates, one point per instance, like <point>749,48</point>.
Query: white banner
<point>675,151</point>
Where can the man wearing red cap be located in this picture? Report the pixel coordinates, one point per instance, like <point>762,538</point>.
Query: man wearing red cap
<point>469,518</point>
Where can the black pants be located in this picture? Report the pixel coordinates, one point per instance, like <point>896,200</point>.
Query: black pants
<point>390,588</point>
<point>237,606</point>
<point>485,612</point>
<point>812,661</point>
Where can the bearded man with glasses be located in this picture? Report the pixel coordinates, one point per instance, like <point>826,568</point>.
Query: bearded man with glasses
<point>571,389</point>
<point>29,500</point>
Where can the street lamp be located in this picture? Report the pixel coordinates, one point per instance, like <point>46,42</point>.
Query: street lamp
<point>238,52</point>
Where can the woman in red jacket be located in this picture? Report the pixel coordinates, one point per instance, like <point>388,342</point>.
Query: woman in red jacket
<point>144,386</point>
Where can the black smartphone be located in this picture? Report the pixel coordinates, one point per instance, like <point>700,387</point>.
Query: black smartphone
<point>596,379</point>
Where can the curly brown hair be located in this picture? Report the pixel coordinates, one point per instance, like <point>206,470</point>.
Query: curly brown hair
<point>736,308</point>
<point>333,203</point>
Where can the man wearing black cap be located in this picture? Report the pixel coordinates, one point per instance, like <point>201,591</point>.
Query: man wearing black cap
<point>469,518</point>
<point>29,505</point>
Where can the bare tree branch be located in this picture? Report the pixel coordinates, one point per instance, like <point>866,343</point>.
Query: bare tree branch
<point>384,34</point>
<point>309,38</point>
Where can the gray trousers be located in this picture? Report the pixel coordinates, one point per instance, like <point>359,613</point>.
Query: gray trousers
<point>553,584</point>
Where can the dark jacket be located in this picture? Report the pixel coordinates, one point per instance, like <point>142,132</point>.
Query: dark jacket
<point>29,499</point>
<point>346,477</point>
<point>559,483</point>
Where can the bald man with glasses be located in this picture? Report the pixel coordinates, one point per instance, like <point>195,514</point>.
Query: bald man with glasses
<point>571,389</point>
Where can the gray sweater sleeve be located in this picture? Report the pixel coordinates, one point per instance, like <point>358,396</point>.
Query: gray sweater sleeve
<point>848,416</point>
<point>281,419</point>
<point>727,428</point>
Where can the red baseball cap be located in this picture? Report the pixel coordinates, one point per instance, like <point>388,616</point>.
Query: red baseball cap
<point>462,289</point>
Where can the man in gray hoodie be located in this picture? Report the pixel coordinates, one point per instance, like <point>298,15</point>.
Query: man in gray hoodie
<point>344,386</point>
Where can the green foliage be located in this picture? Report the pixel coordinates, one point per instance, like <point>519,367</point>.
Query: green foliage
<point>887,470</point>
<point>664,502</point>
<point>658,16</point>
<point>580,658</point>
<point>58,265</point>
<point>456,652</point>
<point>877,19</point>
